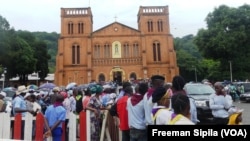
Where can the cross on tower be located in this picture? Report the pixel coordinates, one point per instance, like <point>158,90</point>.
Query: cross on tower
<point>115,18</point>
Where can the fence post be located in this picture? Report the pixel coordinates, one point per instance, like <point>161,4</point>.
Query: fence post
<point>84,119</point>
<point>39,127</point>
<point>72,126</point>
<point>5,126</point>
<point>83,126</point>
<point>104,123</point>
<point>17,126</point>
<point>28,126</point>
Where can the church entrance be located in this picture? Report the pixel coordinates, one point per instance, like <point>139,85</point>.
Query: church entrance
<point>117,77</point>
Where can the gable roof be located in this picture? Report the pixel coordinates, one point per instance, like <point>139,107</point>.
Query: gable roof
<point>115,24</point>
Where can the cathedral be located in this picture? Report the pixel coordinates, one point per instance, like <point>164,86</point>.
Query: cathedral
<point>115,52</point>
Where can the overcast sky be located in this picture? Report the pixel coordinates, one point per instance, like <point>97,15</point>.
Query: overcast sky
<point>186,16</point>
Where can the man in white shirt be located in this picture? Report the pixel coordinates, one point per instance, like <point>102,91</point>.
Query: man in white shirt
<point>156,80</point>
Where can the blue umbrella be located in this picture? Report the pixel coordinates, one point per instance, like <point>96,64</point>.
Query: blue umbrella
<point>47,86</point>
<point>32,87</point>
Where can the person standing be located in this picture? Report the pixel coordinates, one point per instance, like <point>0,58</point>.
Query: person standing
<point>19,105</point>
<point>161,113</point>
<point>55,115</point>
<point>219,104</point>
<point>121,91</point>
<point>95,106</point>
<point>2,102</point>
<point>66,105</point>
<point>178,84</point>
<point>72,100</point>
<point>136,114</point>
<point>156,81</point>
<point>122,113</point>
<point>181,107</point>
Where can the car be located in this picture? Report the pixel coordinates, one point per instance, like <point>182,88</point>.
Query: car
<point>10,92</point>
<point>200,93</point>
<point>245,97</point>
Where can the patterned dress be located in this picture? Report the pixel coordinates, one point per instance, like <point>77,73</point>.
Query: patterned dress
<point>95,122</point>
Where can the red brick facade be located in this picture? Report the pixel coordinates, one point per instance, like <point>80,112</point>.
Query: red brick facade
<point>116,51</point>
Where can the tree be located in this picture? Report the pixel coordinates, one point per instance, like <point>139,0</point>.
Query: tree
<point>23,61</point>
<point>42,57</point>
<point>227,39</point>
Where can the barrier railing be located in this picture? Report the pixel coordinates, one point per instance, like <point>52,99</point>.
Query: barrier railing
<point>10,127</point>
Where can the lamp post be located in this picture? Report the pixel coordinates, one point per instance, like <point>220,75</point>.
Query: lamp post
<point>231,74</point>
<point>195,74</point>
<point>4,72</point>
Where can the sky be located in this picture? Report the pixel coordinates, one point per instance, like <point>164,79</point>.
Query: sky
<point>185,16</point>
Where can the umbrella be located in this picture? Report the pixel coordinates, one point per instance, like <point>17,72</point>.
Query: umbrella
<point>71,85</point>
<point>9,89</point>
<point>47,86</point>
<point>10,92</point>
<point>32,87</point>
<point>82,86</point>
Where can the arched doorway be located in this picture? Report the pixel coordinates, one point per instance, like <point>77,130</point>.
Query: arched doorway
<point>132,76</point>
<point>117,75</point>
<point>101,78</point>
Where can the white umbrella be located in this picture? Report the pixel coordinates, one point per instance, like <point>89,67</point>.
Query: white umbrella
<point>71,85</point>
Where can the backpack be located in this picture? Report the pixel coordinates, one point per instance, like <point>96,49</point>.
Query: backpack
<point>79,106</point>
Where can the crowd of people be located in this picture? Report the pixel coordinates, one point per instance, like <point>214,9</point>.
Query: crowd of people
<point>135,106</point>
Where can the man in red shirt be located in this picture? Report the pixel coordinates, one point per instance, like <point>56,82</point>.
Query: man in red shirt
<point>122,113</point>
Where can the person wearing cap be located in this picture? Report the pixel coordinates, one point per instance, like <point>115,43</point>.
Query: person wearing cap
<point>156,81</point>
<point>53,96</point>
<point>3,104</point>
<point>19,105</point>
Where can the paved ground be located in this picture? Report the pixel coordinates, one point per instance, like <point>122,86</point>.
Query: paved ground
<point>246,112</point>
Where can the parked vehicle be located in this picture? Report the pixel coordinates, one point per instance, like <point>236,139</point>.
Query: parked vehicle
<point>10,92</point>
<point>200,93</point>
<point>245,97</point>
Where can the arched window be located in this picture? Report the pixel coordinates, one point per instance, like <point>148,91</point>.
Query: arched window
<point>70,27</point>
<point>101,78</point>
<point>160,25</point>
<point>107,51</point>
<point>126,50</point>
<point>80,28</point>
<point>75,54</point>
<point>97,51</point>
<point>156,51</point>
<point>133,76</point>
<point>150,26</point>
<point>135,50</point>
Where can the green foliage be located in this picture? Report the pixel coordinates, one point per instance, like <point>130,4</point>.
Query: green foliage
<point>227,39</point>
<point>51,40</point>
<point>22,52</point>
